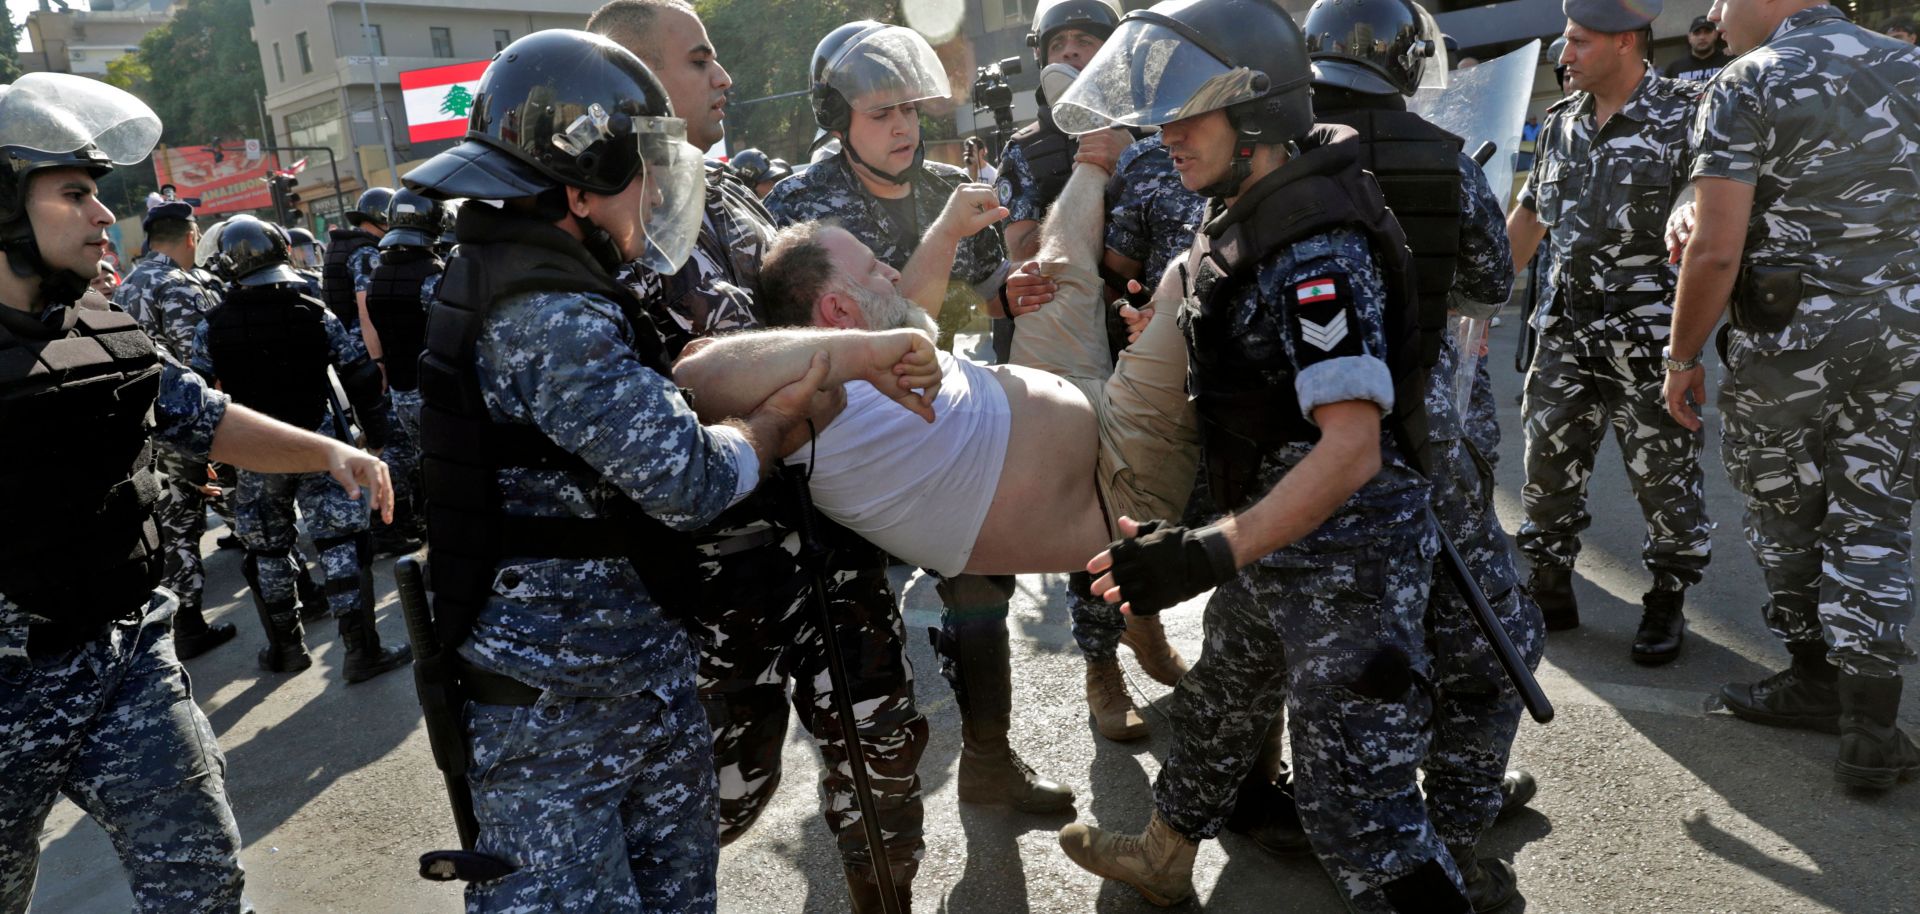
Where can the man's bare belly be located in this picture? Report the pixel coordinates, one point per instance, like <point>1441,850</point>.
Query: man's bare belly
<point>1046,514</point>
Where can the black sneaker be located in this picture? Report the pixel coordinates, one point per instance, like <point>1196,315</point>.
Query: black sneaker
<point>1800,696</point>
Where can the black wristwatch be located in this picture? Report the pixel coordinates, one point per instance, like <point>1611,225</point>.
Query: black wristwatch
<point>1674,365</point>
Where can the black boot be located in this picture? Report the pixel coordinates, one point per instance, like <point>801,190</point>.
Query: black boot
<point>1266,814</point>
<point>1491,884</point>
<point>1875,754</point>
<point>979,665</point>
<point>286,650</point>
<point>863,893</point>
<point>1552,590</point>
<point>1662,627</point>
<point>1802,696</point>
<point>192,636</point>
<point>1517,788</point>
<point>365,657</point>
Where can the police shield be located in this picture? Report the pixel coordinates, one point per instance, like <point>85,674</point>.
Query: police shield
<point>1482,105</point>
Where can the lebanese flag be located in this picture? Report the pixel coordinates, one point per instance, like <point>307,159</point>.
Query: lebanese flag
<point>438,99</point>
<point>1315,290</point>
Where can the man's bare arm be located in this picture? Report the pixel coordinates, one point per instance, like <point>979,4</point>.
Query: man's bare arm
<point>971,209</point>
<point>1708,270</point>
<point>254,441</point>
<point>1023,240</point>
<point>1524,231</point>
<point>733,375</point>
<point>1076,223</point>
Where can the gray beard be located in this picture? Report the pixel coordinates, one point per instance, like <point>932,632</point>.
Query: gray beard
<point>892,311</point>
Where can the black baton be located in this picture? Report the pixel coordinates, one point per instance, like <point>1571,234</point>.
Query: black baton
<point>1510,659</point>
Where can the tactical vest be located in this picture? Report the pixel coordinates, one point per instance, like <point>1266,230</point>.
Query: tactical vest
<point>76,406</point>
<point>336,276</point>
<point>1244,417</point>
<point>398,315</point>
<point>464,448</point>
<point>1418,168</point>
<point>1049,155</point>
<point>270,350</point>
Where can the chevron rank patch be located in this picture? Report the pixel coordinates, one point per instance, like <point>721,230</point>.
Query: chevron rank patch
<point>1325,326</point>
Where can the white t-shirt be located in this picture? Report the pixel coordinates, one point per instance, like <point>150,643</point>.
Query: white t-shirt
<point>919,490</point>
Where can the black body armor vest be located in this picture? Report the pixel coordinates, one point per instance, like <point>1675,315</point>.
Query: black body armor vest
<point>76,406</point>
<point>269,348</point>
<point>1244,417</point>
<point>398,315</point>
<point>336,277</point>
<point>1049,154</point>
<point>1418,168</point>
<point>464,448</point>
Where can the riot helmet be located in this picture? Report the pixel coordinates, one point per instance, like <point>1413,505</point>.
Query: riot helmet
<point>1554,52</point>
<point>254,252</point>
<point>1095,17</point>
<point>1375,47</point>
<point>868,66</point>
<point>305,249</point>
<point>58,120</point>
<point>413,219</point>
<point>1184,58</point>
<point>751,166</point>
<point>206,251</point>
<point>565,108</point>
<point>778,170</point>
<point>372,207</point>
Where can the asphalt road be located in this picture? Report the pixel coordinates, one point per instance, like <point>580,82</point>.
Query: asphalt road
<point>1648,803</point>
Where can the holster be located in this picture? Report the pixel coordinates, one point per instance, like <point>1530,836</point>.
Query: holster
<point>1766,297</point>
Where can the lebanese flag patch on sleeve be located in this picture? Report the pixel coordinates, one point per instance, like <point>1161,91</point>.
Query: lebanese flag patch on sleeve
<point>1324,324</point>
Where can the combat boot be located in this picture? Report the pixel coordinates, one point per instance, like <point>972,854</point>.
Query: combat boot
<point>286,650</point>
<point>365,657</point>
<point>1803,695</point>
<point>1147,638</point>
<point>1158,864</point>
<point>979,665</point>
<point>1552,590</point>
<point>192,636</point>
<point>863,894</point>
<point>1491,884</point>
<point>1265,813</point>
<point>1517,788</point>
<point>1875,754</point>
<point>1114,714</point>
<point>1662,627</point>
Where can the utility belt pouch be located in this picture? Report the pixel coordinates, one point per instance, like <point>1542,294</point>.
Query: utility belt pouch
<point>1766,298</point>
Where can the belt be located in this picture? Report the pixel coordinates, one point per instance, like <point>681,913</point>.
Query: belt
<point>488,688</point>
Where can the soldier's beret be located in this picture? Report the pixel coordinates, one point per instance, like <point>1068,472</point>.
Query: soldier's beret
<point>1612,15</point>
<point>174,210</point>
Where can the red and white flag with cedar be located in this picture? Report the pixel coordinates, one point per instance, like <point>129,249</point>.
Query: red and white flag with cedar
<point>438,99</point>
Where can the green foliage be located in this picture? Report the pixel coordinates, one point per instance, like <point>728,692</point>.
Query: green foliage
<point>9,47</point>
<point>202,74</point>
<point>768,53</point>
<point>130,72</point>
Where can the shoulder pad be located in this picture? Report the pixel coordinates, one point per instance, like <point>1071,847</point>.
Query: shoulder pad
<point>1028,132</point>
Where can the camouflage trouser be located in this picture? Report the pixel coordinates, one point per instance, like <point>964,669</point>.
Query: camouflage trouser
<point>1340,640</point>
<point>183,520</point>
<point>1482,420</point>
<point>406,408</point>
<point>1570,401</point>
<point>402,457</point>
<point>1820,442</point>
<point>1477,709</point>
<point>605,804</point>
<point>264,506</point>
<point>112,725</point>
<point>764,634</point>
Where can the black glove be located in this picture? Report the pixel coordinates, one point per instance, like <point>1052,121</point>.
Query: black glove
<point>1164,565</point>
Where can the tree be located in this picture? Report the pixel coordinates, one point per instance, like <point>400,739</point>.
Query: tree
<point>9,47</point>
<point>201,73</point>
<point>768,55</point>
<point>457,102</point>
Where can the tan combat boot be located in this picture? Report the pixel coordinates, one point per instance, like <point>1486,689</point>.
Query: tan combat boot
<point>1158,864</point>
<point>1148,640</point>
<point>1114,714</point>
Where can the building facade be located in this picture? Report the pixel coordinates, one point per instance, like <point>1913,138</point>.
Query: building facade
<point>84,41</point>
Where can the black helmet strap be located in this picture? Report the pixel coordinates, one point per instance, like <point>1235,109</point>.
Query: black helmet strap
<point>896,179</point>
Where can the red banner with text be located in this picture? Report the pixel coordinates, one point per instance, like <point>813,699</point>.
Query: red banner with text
<point>225,182</point>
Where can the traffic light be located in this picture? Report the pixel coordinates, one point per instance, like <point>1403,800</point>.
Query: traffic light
<point>286,203</point>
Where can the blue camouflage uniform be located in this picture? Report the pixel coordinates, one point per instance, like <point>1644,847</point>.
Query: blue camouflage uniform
<point>760,634</point>
<point>402,453</point>
<point>1819,413</point>
<point>1332,625</point>
<point>111,724</point>
<point>1018,191</point>
<point>1604,194</point>
<point>602,791</point>
<point>264,503</point>
<point>171,307</point>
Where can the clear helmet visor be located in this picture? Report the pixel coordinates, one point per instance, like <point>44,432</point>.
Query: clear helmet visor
<point>887,67</point>
<point>1433,72</point>
<point>60,113</point>
<point>1147,75</point>
<point>674,199</point>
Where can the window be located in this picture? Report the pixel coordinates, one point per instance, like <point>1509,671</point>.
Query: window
<point>378,41</point>
<point>306,53</point>
<point>501,38</point>
<point>442,41</point>
<point>318,126</point>
<point>279,68</point>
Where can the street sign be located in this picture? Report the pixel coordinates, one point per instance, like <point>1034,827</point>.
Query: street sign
<point>253,150</point>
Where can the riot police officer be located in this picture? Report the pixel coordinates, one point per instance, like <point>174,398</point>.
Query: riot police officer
<point>404,278</point>
<point>1305,365</point>
<point>170,305</point>
<point>96,705</point>
<point>868,79</point>
<point>758,636</point>
<point>306,259</point>
<point>1603,187</point>
<point>271,345</point>
<point>555,570</point>
<point>1039,157</point>
<point>350,254</point>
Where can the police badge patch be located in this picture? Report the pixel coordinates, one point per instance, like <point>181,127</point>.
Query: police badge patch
<point>1324,324</point>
